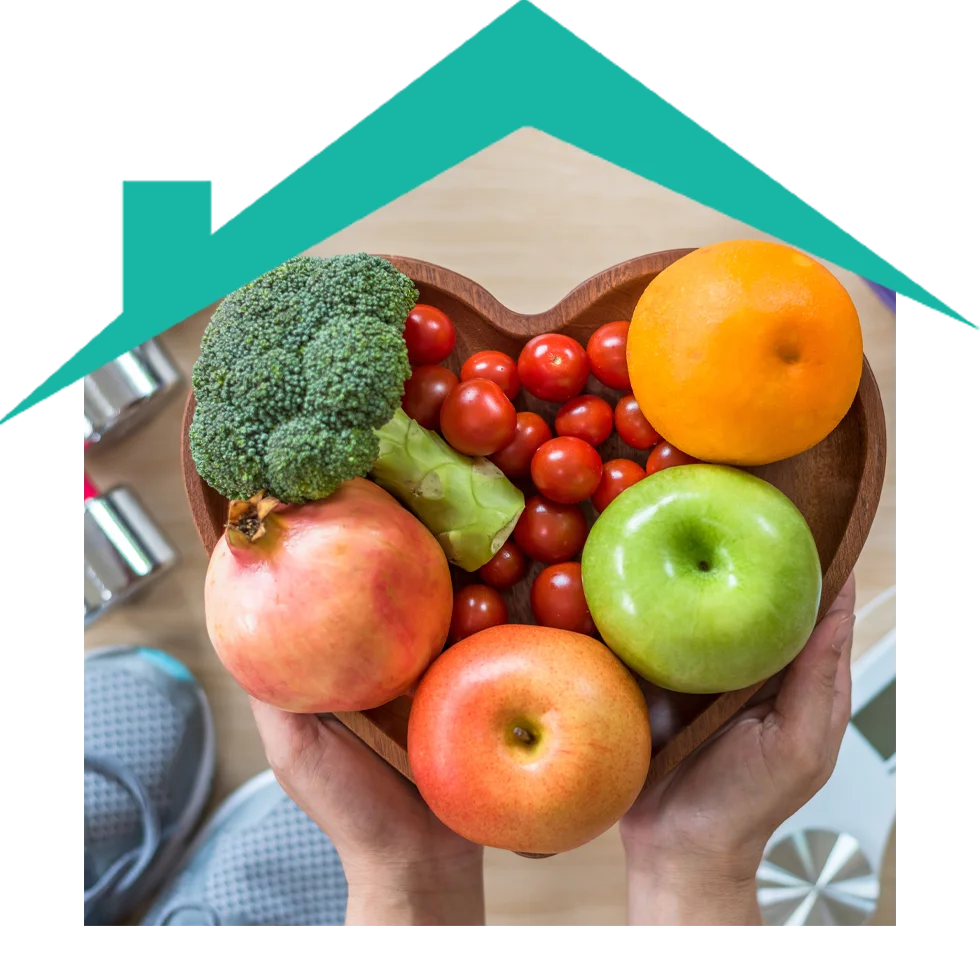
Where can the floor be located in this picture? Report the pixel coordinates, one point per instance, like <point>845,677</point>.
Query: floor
<point>529,218</point>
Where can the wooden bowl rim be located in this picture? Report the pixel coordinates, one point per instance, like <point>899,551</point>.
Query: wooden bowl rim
<point>556,319</point>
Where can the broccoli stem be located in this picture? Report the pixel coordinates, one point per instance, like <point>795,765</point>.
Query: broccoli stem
<point>466,502</point>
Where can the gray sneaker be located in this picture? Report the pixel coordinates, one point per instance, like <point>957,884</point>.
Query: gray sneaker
<point>258,861</point>
<point>149,758</point>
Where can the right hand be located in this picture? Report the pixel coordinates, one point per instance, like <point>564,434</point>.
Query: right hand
<point>695,839</point>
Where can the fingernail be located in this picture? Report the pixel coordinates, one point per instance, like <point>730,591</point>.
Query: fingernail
<point>841,635</point>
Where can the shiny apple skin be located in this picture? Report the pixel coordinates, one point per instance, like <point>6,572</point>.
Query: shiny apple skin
<point>702,578</point>
<point>591,750</point>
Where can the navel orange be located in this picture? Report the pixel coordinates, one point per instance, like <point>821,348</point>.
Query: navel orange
<point>744,352</point>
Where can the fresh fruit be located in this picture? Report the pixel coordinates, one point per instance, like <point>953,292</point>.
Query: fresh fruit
<point>586,417</point>
<point>336,605</point>
<point>745,352</point>
<point>566,470</point>
<point>617,475</point>
<point>632,426</point>
<point>298,403</point>
<point>557,599</point>
<point>550,532</point>
<point>425,391</point>
<point>664,456</point>
<point>607,354</point>
<point>553,367</point>
<point>529,739</point>
<point>468,504</point>
<point>429,335</point>
<point>530,432</point>
<point>475,608</point>
<point>506,568</point>
<point>703,578</point>
<point>477,418</point>
<point>496,367</point>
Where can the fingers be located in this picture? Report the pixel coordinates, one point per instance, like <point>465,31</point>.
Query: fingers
<point>841,713</point>
<point>810,703</point>
<point>291,741</point>
<point>767,693</point>
<point>308,752</point>
<point>845,598</point>
<point>355,754</point>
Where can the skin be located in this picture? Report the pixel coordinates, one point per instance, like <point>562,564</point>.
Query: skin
<point>363,620</point>
<point>693,841</point>
<point>702,578</point>
<point>529,739</point>
<point>403,866</point>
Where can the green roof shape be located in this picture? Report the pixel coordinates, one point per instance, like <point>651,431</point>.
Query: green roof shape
<point>554,82</point>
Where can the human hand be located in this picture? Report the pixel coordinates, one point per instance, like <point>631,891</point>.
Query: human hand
<point>694,839</point>
<point>403,866</point>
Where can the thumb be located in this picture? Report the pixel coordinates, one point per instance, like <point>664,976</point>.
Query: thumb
<point>292,741</point>
<point>806,701</point>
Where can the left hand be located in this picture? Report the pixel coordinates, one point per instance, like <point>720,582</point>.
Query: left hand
<point>403,866</point>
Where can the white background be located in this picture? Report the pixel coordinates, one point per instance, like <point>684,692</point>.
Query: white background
<point>865,110</point>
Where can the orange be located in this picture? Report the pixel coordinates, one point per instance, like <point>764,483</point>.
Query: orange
<point>744,352</point>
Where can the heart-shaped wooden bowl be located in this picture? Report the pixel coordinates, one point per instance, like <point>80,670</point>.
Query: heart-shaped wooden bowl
<point>836,484</point>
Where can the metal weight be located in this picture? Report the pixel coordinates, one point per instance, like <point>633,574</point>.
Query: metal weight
<point>125,550</point>
<point>122,394</point>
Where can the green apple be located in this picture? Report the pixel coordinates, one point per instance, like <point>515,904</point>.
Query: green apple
<point>702,578</point>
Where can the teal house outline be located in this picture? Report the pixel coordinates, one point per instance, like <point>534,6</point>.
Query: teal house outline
<point>555,82</point>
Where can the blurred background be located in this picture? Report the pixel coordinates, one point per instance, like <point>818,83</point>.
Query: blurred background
<point>528,218</point>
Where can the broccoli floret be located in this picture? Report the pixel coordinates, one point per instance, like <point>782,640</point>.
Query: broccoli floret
<point>297,370</point>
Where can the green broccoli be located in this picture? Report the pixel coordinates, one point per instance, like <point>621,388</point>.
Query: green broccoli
<point>297,369</point>
<point>298,388</point>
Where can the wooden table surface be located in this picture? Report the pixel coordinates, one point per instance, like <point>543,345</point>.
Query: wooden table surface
<point>528,218</point>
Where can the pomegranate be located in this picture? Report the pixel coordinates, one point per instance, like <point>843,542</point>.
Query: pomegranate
<point>335,605</point>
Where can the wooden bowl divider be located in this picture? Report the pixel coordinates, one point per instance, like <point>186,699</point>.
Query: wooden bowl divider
<point>836,484</point>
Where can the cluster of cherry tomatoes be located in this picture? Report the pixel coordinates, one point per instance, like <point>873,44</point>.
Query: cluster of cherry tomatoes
<point>475,414</point>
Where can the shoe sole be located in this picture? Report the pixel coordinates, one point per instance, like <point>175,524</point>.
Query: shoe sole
<point>169,854</point>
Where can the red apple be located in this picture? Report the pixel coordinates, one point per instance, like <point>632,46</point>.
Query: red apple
<point>529,739</point>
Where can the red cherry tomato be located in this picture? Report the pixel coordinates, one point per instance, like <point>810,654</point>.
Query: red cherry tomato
<point>664,456</point>
<point>587,417</point>
<point>495,367</point>
<point>477,418</point>
<point>506,568</point>
<point>425,391</point>
<point>558,600</point>
<point>607,354</point>
<point>429,335</point>
<point>566,470</point>
<point>514,460</point>
<point>632,426</point>
<point>617,475</point>
<point>550,532</point>
<point>553,367</point>
<point>475,608</point>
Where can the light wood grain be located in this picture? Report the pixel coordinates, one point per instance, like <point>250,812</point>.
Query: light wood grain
<point>528,218</point>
